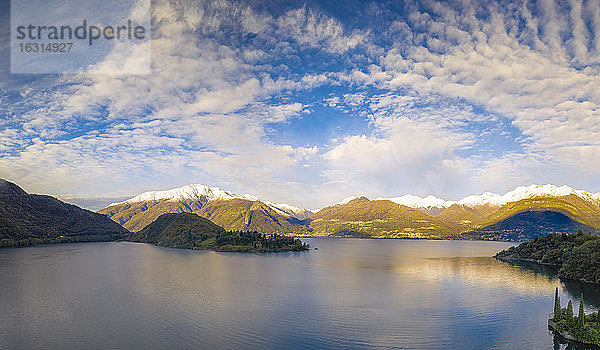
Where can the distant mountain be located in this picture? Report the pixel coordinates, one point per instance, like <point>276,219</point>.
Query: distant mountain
<point>532,191</point>
<point>27,219</point>
<point>427,202</point>
<point>463,217</point>
<point>362,217</point>
<point>495,199</point>
<point>529,225</point>
<point>227,209</point>
<point>430,205</point>
<point>202,193</point>
<point>575,207</point>
<point>485,216</point>
<point>512,216</point>
<point>187,230</point>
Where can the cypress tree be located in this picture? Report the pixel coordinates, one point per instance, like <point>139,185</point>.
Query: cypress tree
<point>569,315</point>
<point>556,306</point>
<point>581,317</point>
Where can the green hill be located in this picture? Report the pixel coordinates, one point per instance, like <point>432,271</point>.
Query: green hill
<point>27,219</point>
<point>187,230</point>
<point>178,230</point>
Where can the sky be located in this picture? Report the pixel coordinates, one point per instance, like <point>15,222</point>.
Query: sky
<point>309,103</point>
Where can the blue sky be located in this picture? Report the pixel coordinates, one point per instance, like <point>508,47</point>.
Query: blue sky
<point>309,103</point>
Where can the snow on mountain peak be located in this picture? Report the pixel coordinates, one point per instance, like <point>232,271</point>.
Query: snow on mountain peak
<point>346,200</point>
<point>289,210</point>
<point>194,191</point>
<point>412,201</point>
<point>203,192</point>
<point>519,193</point>
<point>523,192</point>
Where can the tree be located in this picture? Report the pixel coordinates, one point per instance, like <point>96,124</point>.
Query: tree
<point>556,306</point>
<point>569,315</point>
<point>581,317</point>
<point>583,262</point>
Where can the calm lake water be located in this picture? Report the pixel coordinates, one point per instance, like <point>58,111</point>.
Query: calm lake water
<point>350,293</point>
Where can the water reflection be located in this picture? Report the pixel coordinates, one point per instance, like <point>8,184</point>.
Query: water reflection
<point>561,344</point>
<point>487,272</point>
<point>570,290</point>
<point>355,294</point>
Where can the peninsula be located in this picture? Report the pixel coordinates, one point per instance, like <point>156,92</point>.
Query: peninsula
<point>577,255</point>
<point>187,230</point>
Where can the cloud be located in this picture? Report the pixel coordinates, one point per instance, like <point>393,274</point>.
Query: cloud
<point>317,31</point>
<point>546,86</point>
<point>444,98</point>
<point>410,147</point>
<point>199,115</point>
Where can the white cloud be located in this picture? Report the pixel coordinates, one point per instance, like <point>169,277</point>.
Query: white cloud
<point>547,87</point>
<point>434,87</point>
<point>318,31</point>
<point>184,121</point>
<point>408,149</point>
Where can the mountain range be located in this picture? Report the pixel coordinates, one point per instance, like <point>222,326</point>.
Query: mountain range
<point>232,211</point>
<point>525,212</point>
<point>521,214</point>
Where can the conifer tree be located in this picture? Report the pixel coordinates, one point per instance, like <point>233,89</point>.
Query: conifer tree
<point>556,306</point>
<point>569,315</point>
<point>581,317</point>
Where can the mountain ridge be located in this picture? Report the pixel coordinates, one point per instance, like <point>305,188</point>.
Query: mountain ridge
<point>399,217</point>
<point>232,214</point>
<point>203,192</point>
<point>362,217</point>
<point>200,191</point>
<point>519,193</point>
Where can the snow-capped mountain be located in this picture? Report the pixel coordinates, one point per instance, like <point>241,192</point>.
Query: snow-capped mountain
<point>523,192</point>
<point>289,210</point>
<point>431,216</point>
<point>346,200</point>
<point>206,193</point>
<point>494,199</point>
<point>194,191</point>
<point>418,202</point>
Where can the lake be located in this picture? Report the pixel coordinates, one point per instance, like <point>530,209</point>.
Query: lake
<point>350,293</point>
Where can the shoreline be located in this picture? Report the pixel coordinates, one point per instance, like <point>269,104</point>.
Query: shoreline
<point>568,254</point>
<point>568,337</point>
<point>300,237</point>
<point>533,261</point>
<point>415,239</point>
<point>527,261</point>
